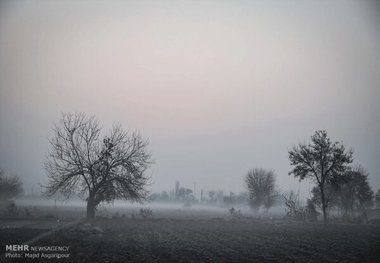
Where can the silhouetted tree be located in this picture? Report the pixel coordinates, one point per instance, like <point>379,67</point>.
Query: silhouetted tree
<point>322,161</point>
<point>355,192</point>
<point>10,186</point>
<point>261,186</point>
<point>99,168</point>
<point>350,192</point>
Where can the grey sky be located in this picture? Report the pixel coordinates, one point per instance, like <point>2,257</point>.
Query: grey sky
<point>218,87</point>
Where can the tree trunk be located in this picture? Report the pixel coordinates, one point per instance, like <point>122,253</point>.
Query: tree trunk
<point>91,206</point>
<point>323,201</point>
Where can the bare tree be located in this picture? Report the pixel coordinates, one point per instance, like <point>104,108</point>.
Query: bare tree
<point>296,210</point>
<point>293,206</point>
<point>99,168</point>
<point>322,161</point>
<point>10,186</point>
<point>261,186</point>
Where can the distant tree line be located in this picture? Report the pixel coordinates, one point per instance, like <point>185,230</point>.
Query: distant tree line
<point>338,186</point>
<point>213,197</point>
<point>104,167</point>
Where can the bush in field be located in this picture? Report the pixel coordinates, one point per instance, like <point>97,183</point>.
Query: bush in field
<point>295,209</point>
<point>235,213</point>
<point>146,213</point>
<point>293,206</point>
<point>261,186</point>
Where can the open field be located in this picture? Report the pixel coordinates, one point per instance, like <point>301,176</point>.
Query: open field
<point>212,237</point>
<point>218,241</point>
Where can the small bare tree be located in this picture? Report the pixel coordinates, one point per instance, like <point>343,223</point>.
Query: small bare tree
<point>99,168</point>
<point>293,206</point>
<point>261,186</point>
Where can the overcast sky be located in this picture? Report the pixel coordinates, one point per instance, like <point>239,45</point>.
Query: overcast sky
<point>218,87</point>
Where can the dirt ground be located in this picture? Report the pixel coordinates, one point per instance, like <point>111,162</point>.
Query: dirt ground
<point>16,236</point>
<point>192,235</point>
<point>163,240</point>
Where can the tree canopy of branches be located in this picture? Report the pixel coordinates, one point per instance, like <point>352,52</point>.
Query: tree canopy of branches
<point>101,168</point>
<point>261,186</point>
<point>322,161</point>
<point>10,186</point>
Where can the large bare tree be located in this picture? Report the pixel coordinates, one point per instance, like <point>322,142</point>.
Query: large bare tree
<point>101,168</point>
<point>322,161</point>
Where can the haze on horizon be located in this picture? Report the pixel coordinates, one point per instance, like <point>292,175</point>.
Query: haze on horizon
<point>218,87</point>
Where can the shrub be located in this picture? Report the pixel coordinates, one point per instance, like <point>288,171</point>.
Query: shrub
<point>146,213</point>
